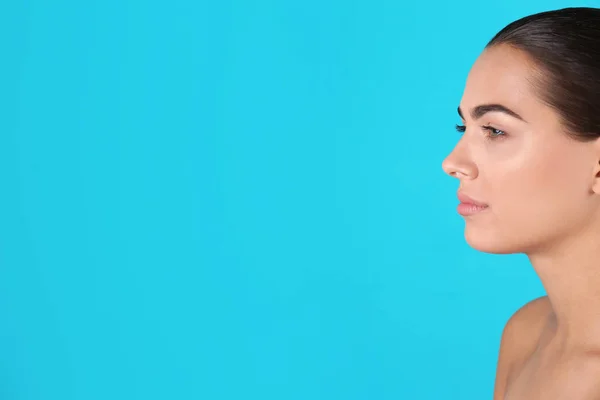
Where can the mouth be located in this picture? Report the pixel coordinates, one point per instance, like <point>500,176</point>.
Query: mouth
<point>464,199</point>
<point>470,206</point>
<point>466,209</point>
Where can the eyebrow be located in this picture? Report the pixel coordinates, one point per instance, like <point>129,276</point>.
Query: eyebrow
<point>483,109</point>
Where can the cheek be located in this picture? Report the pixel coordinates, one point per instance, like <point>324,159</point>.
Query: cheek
<point>531,171</point>
<point>527,207</point>
<point>537,194</point>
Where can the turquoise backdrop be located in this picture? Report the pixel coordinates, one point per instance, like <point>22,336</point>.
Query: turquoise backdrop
<point>243,200</point>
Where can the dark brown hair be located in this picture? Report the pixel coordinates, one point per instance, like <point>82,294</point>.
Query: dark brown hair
<point>564,46</point>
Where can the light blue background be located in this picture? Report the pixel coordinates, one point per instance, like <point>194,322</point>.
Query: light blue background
<point>243,200</point>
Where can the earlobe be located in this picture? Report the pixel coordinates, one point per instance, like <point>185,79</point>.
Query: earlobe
<point>596,182</point>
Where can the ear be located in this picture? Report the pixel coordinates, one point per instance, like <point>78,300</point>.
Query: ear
<point>596,182</point>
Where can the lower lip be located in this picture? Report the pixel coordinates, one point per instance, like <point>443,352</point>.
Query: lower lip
<point>470,209</point>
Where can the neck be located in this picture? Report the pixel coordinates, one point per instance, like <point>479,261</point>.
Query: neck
<point>570,274</point>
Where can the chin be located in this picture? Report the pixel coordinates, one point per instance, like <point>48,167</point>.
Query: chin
<point>490,242</point>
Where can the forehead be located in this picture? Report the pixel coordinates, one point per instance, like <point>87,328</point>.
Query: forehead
<point>501,75</point>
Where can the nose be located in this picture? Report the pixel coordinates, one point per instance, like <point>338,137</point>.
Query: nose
<point>457,165</point>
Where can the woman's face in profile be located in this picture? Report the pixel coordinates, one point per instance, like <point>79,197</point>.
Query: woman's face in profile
<point>536,180</point>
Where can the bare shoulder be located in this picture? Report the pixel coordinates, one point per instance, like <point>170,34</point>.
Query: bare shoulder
<point>522,327</point>
<point>518,340</point>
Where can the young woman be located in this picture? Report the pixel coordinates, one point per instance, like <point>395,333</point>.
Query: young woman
<point>528,164</point>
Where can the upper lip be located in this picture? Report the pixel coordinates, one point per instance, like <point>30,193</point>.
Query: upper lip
<point>466,199</point>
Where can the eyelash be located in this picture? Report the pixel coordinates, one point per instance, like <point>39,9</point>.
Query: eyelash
<point>490,135</point>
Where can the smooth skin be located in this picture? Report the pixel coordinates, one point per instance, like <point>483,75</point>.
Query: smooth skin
<point>543,192</point>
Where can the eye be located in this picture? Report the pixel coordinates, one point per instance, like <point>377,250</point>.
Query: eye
<point>493,133</point>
